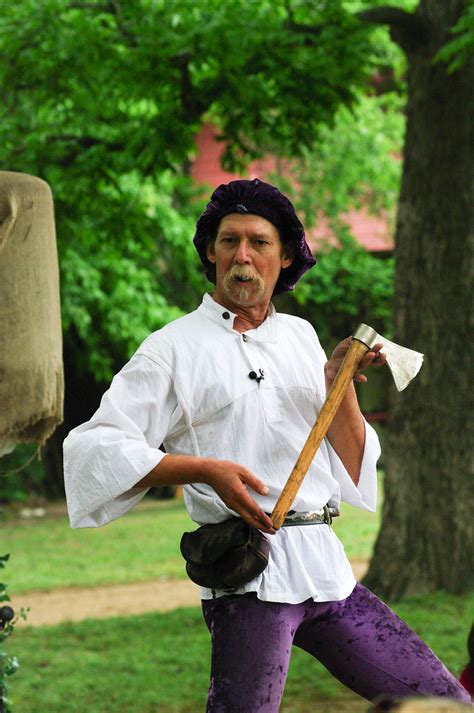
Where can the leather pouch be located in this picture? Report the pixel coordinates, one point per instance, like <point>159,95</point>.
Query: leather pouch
<point>226,555</point>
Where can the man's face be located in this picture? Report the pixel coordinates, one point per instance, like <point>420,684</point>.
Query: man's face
<point>248,255</point>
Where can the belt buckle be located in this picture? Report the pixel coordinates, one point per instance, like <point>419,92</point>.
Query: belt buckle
<point>309,517</point>
<point>327,516</point>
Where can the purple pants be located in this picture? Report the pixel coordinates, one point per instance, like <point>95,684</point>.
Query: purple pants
<point>359,640</point>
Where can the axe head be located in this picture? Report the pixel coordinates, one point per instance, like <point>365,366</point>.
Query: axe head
<point>403,363</point>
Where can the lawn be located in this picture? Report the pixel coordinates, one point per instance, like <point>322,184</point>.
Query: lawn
<point>142,545</point>
<point>159,663</point>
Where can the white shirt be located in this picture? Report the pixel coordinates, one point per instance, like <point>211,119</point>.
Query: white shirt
<point>188,387</point>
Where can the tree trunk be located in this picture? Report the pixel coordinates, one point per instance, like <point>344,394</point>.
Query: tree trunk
<point>426,539</point>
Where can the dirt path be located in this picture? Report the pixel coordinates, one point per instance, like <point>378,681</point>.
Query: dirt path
<point>79,603</point>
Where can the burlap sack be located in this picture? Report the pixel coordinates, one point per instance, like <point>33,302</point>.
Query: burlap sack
<point>31,369</point>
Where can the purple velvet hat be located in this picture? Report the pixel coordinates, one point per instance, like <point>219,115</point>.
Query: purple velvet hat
<point>263,199</point>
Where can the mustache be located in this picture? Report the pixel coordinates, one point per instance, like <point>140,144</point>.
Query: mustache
<point>243,272</point>
<point>243,280</point>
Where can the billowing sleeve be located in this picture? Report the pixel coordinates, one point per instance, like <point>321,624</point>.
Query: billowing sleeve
<point>364,494</point>
<point>106,456</point>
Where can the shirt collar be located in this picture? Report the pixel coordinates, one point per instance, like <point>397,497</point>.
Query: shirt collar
<point>266,332</point>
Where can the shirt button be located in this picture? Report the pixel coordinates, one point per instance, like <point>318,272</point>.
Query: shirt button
<point>244,337</point>
<point>225,315</point>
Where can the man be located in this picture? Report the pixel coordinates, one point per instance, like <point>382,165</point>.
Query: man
<point>232,391</point>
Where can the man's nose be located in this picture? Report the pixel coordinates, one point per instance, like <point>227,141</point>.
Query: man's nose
<point>242,254</point>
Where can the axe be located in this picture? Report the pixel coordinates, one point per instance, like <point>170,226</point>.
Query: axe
<point>403,363</point>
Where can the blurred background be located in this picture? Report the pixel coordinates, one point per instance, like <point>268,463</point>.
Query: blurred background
<point>133,112</point>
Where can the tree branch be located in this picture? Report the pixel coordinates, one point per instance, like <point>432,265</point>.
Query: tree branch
<point>113,8</point>
<point>410,30</point>
<point>116,10</point>
<point>85,142</point>
<point>297,27</point>
<point>189,96</point>
<point>88,6</point>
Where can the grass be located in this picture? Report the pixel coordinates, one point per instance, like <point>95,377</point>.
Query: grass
<point>143,545</point>
<point>357,529</point>
<point>159,663</point>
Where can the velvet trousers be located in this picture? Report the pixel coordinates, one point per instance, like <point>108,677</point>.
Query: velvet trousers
<point>362,642</point>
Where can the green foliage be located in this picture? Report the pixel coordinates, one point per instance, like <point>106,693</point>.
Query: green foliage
<point>12,489</point>
<point>3,587</point>
<point>459,50</point>
<point>8,664</point>
<point>348,286</point>
<point>293,69</point>
<point>104,101</point>
<point>356,163</point>
<point>120,286</point>
<point>21,473</point>
<point>120,86</point>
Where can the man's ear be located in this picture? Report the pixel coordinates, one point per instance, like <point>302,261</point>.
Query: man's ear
<point>287,256</point>
<point>210,253</point>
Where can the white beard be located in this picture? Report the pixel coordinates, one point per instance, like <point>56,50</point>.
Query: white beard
<point>243,291</point>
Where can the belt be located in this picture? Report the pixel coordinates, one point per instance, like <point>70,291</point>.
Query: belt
<point>311,517</point>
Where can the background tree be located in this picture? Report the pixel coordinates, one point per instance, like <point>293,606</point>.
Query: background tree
<point>355,164</point>
<point>426,540</point>
<point>103,100</point>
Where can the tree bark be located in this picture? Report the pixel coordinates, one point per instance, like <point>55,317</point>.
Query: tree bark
<point>426,539</point>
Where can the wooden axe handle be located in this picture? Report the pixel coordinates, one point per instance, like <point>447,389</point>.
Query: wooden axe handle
<point>344,376</point>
